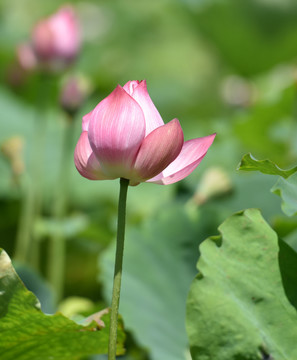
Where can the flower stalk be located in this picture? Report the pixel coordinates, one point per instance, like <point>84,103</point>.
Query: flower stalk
<point>57,243</point>
<point>124,183</point>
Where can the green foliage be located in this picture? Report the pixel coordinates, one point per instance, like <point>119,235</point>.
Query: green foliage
<point>237,307</point>
<point>267,128</point>
<point>248,32</point>
<point>190,52</point>
<point>249,163</point>
<point>287,190</point>
<point>291,239</point>
<point>288,267</point>
<point>28,334</point>
<point>285,187</point>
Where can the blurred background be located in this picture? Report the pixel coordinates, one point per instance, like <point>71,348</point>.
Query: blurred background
<point>224,66</point>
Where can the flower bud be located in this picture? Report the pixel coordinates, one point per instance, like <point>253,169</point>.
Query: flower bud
<point>125,137</point>
<point>74,92</point>
<point>57,38</point>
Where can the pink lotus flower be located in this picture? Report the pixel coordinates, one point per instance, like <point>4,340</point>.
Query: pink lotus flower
<point>125,136</point>
<point>57,37</point>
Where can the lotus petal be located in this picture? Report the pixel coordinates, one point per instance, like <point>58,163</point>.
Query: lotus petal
<point>152,117</point>
<point>116,131</point>
<point>85,160</point>
<point>191,155</point>
<point>158,150</point>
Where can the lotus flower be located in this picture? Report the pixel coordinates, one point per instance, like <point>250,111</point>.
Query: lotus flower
<point>57,37</point>
<point>125,137</point>
<point>73,93</point>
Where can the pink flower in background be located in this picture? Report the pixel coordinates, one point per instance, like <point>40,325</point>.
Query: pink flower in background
<point>73,93</point>
<point>55,42</point>
<point>58,36</point>
<point>125,136</point>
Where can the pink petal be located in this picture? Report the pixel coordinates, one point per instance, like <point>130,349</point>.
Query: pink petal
<point>85,160</point>
<point>116,131</point>
<point>43,40</point>
<point>151,114</point>
<point>66,32</point>
<point>130,86</point>
<point>86,120</point>
<point>158,150</point>
<point>189,158</point>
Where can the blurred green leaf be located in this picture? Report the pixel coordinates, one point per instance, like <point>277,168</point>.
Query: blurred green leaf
<point>268,128</point>
<point>34,282</point>
<point>28,334</point>
<point>247,33</point>
<point>158,269</point>
<point>284,226</point>
<point>249,163</point>
<point>287,257</point>
<point>291,239</point>
<point>287,190</point>
<point>237,307</point>
<point>66,227</point>
<point>251,189</point>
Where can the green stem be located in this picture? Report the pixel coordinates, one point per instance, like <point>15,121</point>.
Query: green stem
<point>24,232</point>
<point>57,245</point>
<point>118,270</point>
<point>37,178</point>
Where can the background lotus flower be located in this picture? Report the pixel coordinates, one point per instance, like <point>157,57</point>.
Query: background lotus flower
<point>125,136</point>
<point>57,37</point>
<point>74,91</point>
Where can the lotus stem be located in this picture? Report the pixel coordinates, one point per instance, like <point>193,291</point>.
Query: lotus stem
<point>124,183</point>
<point>57,244</point>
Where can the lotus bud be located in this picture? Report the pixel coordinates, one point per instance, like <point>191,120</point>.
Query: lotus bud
<point>57,39</point>
<point>74,92</point>
<point>125,137</point>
